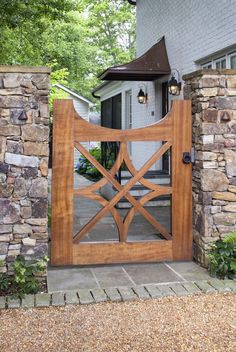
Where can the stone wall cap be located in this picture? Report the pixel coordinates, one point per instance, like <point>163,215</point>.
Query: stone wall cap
<point>24,69</point>
<point>202,72</point>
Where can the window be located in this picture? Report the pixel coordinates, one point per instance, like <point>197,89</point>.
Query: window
<point>207,65</point>
<point>221,63</point>
<point>233,61</point>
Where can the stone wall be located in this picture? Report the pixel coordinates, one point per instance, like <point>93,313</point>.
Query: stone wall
<point>213,95</point>
<point>24,133</point>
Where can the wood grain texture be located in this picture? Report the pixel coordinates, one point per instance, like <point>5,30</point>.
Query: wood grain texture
<point>181,181</point>
<point>69,130</point>
<point>62,182</point>
<point>159,131</point>
<point>123,192</point>
<point>120,252</point>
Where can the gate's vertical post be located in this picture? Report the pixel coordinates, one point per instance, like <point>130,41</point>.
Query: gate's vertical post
<point>62,182</point>
<point>181,181</point>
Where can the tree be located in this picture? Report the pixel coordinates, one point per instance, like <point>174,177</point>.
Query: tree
<point>78,37</point>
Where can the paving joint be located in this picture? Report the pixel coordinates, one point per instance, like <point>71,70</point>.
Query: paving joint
<point>118,294</point>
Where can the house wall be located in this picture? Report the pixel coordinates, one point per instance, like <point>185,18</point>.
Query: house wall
<point>193,30</point>
<point>24,150</point>
<point>82,109</point>
<point>213,95</point>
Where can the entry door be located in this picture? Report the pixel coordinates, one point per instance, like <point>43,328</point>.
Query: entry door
<point>111,118</point>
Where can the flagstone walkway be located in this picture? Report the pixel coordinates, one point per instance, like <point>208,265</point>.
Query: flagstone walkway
<point>125,275</point>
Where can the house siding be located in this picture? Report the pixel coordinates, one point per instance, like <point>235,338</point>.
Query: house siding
<point>193,29</point>
<point>82,109</point>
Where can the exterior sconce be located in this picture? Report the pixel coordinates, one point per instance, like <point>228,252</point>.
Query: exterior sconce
<point>174,86</point>
<point>142,96</point>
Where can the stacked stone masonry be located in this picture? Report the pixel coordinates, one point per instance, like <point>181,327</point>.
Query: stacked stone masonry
<point>24,137</point>
<point>213,95</point>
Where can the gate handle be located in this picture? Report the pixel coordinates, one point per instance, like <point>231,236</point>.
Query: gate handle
<point>187,158</point>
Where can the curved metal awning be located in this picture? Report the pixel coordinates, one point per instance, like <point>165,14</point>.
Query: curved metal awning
<point>148,67</point>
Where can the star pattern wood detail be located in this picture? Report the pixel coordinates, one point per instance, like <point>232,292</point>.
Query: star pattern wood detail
<point>70,131</point>
<point>123,191</point>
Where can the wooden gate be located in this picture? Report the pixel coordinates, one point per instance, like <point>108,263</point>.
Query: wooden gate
<point>69,130</point>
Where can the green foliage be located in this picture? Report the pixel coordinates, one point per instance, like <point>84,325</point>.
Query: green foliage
<point>24,280</point>
<point>84,167</point>
<point>77,38</point>
<point>4,282</point>
<point>222,257</point>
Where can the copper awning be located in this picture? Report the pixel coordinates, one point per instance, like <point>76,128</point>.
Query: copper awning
<point>148,67</point>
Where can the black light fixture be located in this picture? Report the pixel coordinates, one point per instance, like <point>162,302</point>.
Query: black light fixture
<point>142,96</point>
<point>174,86</point>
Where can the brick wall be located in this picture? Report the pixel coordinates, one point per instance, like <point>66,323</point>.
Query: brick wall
<point>24,133</point>
<point>213,95</point>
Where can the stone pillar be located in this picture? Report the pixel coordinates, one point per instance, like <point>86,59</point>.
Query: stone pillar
<point>24,136</point>
<point>213,95</point>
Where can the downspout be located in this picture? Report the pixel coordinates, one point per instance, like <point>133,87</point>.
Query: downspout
<point>132,2</point>
<point>95,96</point>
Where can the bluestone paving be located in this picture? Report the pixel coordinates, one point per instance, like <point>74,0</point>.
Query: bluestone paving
<point>153,291</point>
<point>43,300</point>
<point>205,287</point>
<point>112,276</point>
<point>85,296</point>
<point>154,273</point>
<point>71,297</point>
<point>70,279</point>
<point>27,301</point>
<point>219,285</point>
<point>179,289</point>
<point>127,293</point>
<point>166,290</point>
<point>2,302</point>
<point>189,271</point>
<point>231,284</point>
<point>13,302</point>
<point>58,299</point>
<point>141,292</point>
<point>191,288</point>
<point>99,295</point>
<point>113,294</point>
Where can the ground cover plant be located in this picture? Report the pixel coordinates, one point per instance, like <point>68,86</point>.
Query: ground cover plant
<point>222,257</point>
<point>25,278</point>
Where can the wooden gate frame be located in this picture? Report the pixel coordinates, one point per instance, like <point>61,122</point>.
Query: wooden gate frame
<point>69,129</point>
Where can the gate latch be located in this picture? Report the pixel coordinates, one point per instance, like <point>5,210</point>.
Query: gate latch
<point>187,158</point>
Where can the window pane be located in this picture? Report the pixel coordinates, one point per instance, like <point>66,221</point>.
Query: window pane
<point>233,62</point>
<point>223,63</point>
<point>218,64</point>
<point>207,65</point>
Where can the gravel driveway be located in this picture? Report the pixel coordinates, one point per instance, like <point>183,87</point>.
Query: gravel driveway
<point>195,323</point>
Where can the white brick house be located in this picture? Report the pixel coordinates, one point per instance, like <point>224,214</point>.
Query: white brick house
<point>198,33</point>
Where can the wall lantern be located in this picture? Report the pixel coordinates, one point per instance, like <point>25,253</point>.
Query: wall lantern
<point>174,86</point>
<point>142,96</point>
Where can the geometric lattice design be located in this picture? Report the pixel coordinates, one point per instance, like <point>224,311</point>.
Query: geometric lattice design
<point>69,131</point>
<point>123,191</point>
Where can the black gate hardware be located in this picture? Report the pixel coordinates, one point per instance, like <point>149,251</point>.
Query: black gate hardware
<point>187,158</point>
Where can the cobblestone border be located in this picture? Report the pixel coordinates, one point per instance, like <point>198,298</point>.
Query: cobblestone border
<point>119,294</point>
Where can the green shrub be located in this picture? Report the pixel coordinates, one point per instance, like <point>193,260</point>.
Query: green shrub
<point>24,280</point>
<point>222,257</point>
<point>85,167</point>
